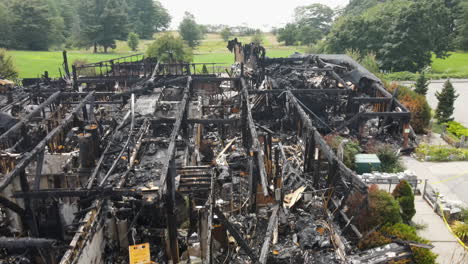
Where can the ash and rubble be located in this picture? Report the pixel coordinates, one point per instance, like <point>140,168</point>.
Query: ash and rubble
<point>205,167</point>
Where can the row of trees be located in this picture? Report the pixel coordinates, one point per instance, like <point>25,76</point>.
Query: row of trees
<point>403,34</point>
<point>43,24</point>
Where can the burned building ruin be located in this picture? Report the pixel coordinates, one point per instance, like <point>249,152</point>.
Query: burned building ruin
<point>200,163</point>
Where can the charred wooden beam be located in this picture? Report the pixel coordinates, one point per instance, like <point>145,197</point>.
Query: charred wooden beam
<point>300,91</point>
<point>213,79</point>
<point>254,136</point>
<point>363,100</point>
<point>27,242</point>
<point>13,206</point>
<point>235,233</point>
<point>60,193</point>
<point>197,121</point>
<point>29,156</point>
<point>398,115</point>
<point>266,243</point>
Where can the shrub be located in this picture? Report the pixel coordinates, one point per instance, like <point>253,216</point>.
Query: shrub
<point>457,129</point>
<point>461,230</point>
<point>7,67</point>
<point>170,49</point>
<point>389,160</point>
<point>416,104</point>
<point>402,189</point>
<point>382,209</point>
<point>374,239</point>
<point>446,98</point>
<point>406,232</point>
<point>351,149</point>
<point>257,39</point>
<point>422,84</point>
<point>133,41</point>
<point>441,153</point>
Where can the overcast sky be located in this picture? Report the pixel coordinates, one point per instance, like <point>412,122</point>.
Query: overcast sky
<point>256,13</point>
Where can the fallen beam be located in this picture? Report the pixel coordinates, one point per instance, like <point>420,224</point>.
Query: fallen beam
<point>266,243</point>
<point>27,242</point>
<point>235,233</point>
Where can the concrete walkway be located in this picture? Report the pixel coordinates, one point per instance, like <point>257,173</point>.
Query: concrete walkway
<point>445,244</point>
<point>450,180</point>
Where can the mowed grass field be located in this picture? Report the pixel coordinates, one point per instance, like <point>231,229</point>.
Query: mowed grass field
<point>32,64</point>
<point>456,63</point>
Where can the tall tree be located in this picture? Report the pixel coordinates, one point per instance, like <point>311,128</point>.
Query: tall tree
<point>288,34</point>
<point>311,24</point>
<point>462,26</point>
<point>147,17</point>
<point>114,21</point>
<point>190,31</point>
<point>403,34</point>
<point>226,33</point>
<point>422,84</point>
<point>318,16</point>
<point>102,22</point>
<point>445,107</point>
<point>32,25</point>
<point>5,26</point>
<point>90,26</point>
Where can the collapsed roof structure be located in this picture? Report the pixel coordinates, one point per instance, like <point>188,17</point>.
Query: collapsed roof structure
<point>205,166</point>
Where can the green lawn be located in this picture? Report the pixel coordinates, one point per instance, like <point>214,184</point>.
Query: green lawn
<point>32,64</point>
<point>456,63</point>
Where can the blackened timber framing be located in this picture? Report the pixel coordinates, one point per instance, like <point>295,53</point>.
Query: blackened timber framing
<point>324,148</point>
<point>28,157</point>
<point>53,98</point>
<point>180,117</point>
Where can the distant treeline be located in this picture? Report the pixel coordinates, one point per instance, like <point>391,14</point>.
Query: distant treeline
<point>402,34</point>
<point>45,24</point>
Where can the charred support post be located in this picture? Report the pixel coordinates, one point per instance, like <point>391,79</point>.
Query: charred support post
<point>406,132</point>
<point>86,151</point>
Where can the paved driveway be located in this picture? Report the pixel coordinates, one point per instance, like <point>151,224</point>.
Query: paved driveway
<point>449,178</point>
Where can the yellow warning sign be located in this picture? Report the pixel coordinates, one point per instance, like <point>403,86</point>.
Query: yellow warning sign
<point>139,254</point>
